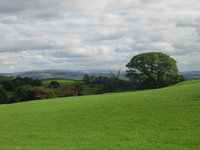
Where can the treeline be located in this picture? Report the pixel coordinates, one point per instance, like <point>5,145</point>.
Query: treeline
<point>15,90</point>
<point>145,71</point>
<point>26,89</point>
<point>12,85</point>
<point>108,84</point>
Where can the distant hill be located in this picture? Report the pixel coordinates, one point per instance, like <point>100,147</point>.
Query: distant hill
<point>78,74</point>
<point>191,75</point>
<point>64,74</point>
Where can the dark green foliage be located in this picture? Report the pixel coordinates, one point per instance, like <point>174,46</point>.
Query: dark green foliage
<point>111,84</point>
<point>13,99</point>
<point>3,96</point>
<point>87,79</point>
<point>28,81</point>
<point>77,88</point>
<point>3,78</point>
<point>36,83</point>
<point>8,85</point>
<point>92,80</point>
<point>11,85</point>
<point>153,69</point>
<point>54,84</point>
<point>69,93</point>
<point>18,81</point>
<point>32,93</point>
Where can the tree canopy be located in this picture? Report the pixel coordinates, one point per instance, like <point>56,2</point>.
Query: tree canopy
<point>153,69</point>
<point>3,96</point>
<point>54,84</point>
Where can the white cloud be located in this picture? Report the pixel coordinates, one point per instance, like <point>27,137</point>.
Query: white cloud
<point>96,34</point>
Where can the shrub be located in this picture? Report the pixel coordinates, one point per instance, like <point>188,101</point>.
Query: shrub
<point>54,84</point>
<point>77,88</point>
<point>36,83</point>
<point>3,96</point>
<point>33,93</point>
<point>8,85</point>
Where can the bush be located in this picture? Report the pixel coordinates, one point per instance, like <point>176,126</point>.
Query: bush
<point>36,83</point>
<point>33,93</point>
<point>18,81</point>
<point>87,79</point>
<point>8,85</point>
<point>3,96</point>
<point>54,84</point>
<point>68,93</point>
<point>77,88</point>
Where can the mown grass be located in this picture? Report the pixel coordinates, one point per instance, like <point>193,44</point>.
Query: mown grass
<point>164,119</point>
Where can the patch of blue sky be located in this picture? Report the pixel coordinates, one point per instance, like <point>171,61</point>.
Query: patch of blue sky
<point>112,46</point>
<point>123,14</point>
<point>76,15</point>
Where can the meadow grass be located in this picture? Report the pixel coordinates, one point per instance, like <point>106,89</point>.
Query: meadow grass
<point>163,119</point>
<point>65,85</point>
<point>61,81</point>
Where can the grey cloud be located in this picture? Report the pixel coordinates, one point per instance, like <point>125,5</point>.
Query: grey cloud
<point>83,34</point>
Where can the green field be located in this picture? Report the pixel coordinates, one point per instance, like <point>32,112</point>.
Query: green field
<point>65,85</point>
<point>161,119</point>
<point>61,81</point>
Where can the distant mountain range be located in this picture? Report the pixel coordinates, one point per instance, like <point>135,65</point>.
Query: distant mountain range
<point>78,74</point>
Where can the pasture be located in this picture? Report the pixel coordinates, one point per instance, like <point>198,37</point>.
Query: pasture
<point>164,119</point>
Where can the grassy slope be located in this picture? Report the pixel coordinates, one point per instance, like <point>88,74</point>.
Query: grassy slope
<point>164,119</point>
<point>61,81</point>
<point>65,85</point>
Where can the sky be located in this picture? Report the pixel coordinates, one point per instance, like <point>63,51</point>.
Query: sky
<point>96,34</point>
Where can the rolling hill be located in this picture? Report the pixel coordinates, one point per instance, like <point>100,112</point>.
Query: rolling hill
<point>63,74</point>
<point>191,75</point>
<point>164,119</point>
<point>78,75</point>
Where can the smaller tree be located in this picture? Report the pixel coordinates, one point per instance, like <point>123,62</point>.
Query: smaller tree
<point>77,88</point>
<point>3,96</point>
<point>18,81</point>
<point>112,84</point>
<point>28,81</point>
<point>34,93</point>
<point>36,82</point>
<point>8,85</point>
<point>54,84</point>
<point>86,79</point>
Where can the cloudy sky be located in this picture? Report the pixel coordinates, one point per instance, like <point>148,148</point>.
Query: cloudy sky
<point>96,34</point>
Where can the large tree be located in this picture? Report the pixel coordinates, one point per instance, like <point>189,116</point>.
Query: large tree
<point>153,69</point>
